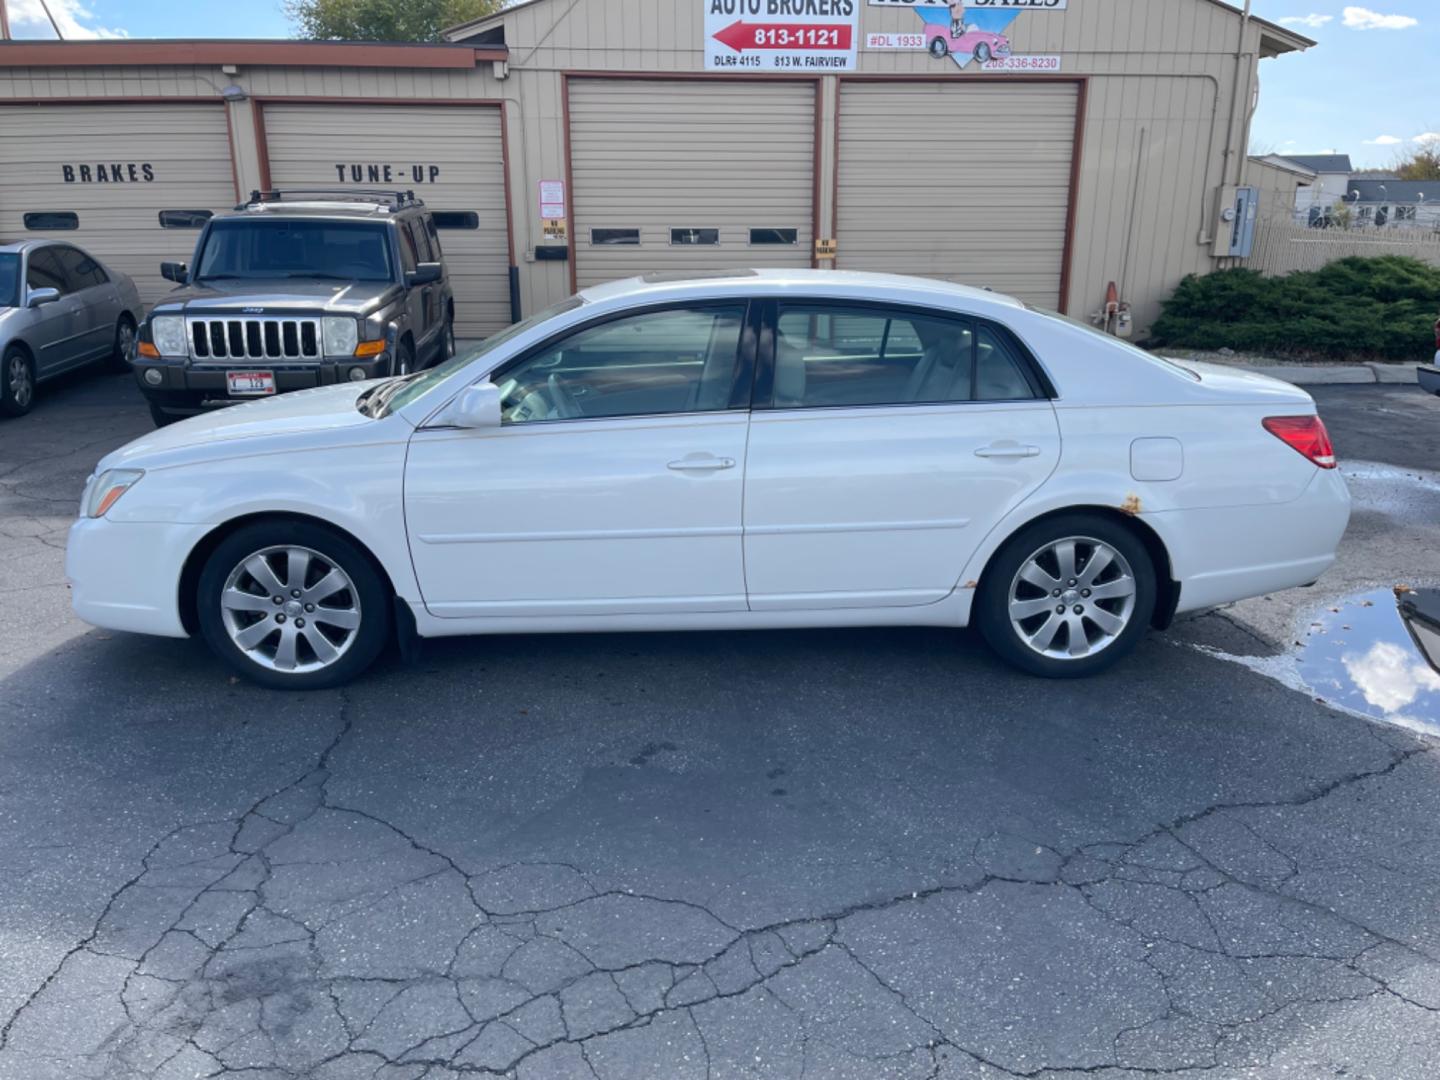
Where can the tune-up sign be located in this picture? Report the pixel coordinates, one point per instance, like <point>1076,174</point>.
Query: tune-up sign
<point>781,35</point>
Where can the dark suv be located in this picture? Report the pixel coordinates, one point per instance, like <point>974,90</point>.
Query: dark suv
<point>296,289</point>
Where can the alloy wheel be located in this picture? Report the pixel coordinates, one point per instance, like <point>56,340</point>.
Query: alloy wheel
<point>290,609</point>
<point>1073,598</point>
<point>22,387</point>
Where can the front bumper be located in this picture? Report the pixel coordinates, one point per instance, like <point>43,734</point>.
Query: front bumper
<point>126,576</point>
<point>188,387</point>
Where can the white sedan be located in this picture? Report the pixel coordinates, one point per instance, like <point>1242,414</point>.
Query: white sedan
<point>734,451</point>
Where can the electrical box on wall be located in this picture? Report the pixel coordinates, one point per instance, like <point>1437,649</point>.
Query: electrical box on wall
<point>1235,229</point>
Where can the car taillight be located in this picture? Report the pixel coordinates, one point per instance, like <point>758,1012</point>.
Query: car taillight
<point>1306,435</point>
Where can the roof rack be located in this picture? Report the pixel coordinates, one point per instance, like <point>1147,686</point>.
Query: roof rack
<point>393,200</point>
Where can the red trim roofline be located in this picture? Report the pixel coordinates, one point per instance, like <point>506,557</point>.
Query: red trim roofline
<point>277,53</point>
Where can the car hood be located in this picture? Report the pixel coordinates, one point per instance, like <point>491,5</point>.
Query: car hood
<point>255,296</point>
<point>289,422</point>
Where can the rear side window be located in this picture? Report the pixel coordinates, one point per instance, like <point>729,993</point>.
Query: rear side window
<point>83,271</point>
<point>422,240</point>
<point>435,235</point>
<point>999,371</point>
<point>409,256</point>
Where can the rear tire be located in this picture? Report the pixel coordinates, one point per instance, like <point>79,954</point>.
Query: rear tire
<point>17,382</point>
<point>119,358</point>
<point>1067,597</point>
<point>252,618</point>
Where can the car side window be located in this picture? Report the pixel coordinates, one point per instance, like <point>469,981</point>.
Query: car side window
<point>678,360</point>
<point>83,271</point>
<point>434,234</point>
<point>43,271</point>
<point>999,371</point>
<point>829,356</point>
<point>408,255</point>
<point>422,241</point>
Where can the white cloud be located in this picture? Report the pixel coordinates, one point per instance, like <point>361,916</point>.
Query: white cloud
<point>1390,677</point>
<point>1429,138</point>
<point>1384,140</point>
<point>1359,18</point>
<point>28,19</point>
<point>1314,22</point>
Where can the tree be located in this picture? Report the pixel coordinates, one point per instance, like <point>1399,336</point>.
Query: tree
<point>384,20</point>
<point>1423,164</point>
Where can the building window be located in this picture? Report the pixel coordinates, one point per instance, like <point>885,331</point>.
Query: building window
<point>694,237</point>
<point>615,237</point>
<point>1404,213</point>
<point>1365,213</point>
<point>184,219</point>
<point>764,237</point>
<point>52,220</point>
<point>456,219</point>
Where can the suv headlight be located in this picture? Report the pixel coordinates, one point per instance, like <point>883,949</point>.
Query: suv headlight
<point>341,334</point>
<point>105,490</point>
<point>168,334</point>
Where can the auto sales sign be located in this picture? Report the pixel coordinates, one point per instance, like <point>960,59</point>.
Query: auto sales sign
<point>781,35</point>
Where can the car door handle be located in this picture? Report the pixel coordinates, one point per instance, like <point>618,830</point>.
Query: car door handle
<point>1011,450</point>
<point>705,464</point>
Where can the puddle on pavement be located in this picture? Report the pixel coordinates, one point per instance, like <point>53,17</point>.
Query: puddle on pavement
<point>1377,654</point>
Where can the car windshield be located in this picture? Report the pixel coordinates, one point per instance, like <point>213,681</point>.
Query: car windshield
<point>9,279</point>
<point>279,248</point>
<point>1152,357</point>
<point>401,392</point>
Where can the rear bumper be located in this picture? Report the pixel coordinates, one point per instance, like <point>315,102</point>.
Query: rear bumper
<point>1226,554</point>
<point>126,576</point>
<point>184,388</point>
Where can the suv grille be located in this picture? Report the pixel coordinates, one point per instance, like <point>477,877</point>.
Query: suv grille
<point>255,339</point>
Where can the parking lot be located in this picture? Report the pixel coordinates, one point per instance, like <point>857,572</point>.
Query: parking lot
<point>869,853</point>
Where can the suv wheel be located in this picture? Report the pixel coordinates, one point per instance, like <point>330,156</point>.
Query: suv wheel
<point>119,358</point>
<point>1067,597</point>
<point>17,382</point>
<point>293,606</point>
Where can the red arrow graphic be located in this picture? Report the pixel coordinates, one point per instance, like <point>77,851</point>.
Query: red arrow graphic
<point>741,35</point>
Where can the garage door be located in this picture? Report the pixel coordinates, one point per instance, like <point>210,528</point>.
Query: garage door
<point>108,176</point>
<point>451,157</point>
<point>959,181</point>
<point>690,175</point>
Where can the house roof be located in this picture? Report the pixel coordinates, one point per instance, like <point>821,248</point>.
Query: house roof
<point>131,52</point>
<point>1322,163</point>
<point>1284,164</point>
<point>1395,191</point>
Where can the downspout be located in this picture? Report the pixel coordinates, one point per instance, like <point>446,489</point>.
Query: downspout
<point>1240,56</point>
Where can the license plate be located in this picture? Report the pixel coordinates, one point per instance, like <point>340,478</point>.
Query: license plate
<point>250,383</point>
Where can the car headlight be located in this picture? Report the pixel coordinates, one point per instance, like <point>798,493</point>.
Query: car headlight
<point>341,334</point>
<point>105,490</point>
<point>167,332</point>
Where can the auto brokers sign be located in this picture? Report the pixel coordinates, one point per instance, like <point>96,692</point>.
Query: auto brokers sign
<point>781,35</point>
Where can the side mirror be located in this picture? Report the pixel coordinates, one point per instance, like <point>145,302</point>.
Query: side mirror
<point>35,297</point>
<point>177,272</point>
<point>424,274</point>
<point>476,408</point>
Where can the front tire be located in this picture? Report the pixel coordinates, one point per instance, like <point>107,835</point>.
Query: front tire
<point>293,606</point>
<point>124,349</point>
<point>1067,597</point>
<point>939,48</point>
<point>17,382</point>
<point>983,53</point>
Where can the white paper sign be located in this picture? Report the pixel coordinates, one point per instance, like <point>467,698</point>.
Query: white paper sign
<point>552,199</point>
<point>781,35</point>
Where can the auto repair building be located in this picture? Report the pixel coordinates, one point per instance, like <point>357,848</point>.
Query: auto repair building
<point>1043,148</point>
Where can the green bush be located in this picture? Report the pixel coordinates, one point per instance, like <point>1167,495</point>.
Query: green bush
<point>1383,308</point>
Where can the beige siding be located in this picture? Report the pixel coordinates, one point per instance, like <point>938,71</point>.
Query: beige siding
<point>1277,187</point>
<point>48,151</point>
<point>965,182</point>
<point>450,156</point>
<point>693,154</point>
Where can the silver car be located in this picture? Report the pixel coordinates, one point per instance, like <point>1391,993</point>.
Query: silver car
<point>60,309</point>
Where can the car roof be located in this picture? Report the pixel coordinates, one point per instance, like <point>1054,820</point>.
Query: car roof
<point>11,247</point>
<point>815,284</point>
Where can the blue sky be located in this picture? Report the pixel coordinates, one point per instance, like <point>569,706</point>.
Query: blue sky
<point>1374,78</point>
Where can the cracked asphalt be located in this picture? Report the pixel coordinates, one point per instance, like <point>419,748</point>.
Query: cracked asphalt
<point>869,854</point>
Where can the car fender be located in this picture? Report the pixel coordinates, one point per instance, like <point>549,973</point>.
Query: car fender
<point>329,489</point>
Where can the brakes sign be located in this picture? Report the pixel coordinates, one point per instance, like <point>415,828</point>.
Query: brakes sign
<point>781,35</point>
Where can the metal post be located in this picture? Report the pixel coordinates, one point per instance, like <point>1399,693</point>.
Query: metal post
<point>4,22</point>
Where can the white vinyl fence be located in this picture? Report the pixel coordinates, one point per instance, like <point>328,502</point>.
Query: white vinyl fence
<point>1282,247</point>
